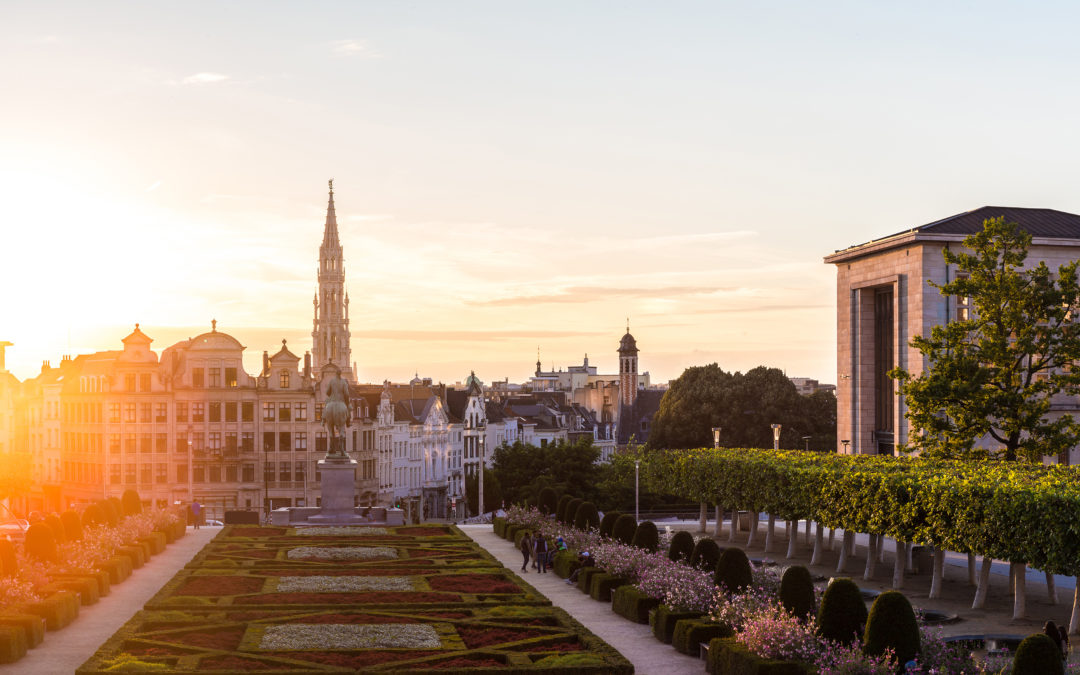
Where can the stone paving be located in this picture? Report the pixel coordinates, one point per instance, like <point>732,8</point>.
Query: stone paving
<point>633,640</point>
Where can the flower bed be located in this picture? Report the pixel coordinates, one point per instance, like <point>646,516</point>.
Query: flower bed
<point>304,617</point>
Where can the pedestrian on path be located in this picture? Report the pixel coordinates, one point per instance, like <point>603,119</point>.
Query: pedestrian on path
<point>541,554</point>
<point>526,550</point>
<point>196,512</point>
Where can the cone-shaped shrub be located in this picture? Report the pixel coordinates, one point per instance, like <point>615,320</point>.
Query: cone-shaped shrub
<point>646,536</point>
<point>93,515</point>
<point>625,526</point>
<point>1038,655</point>
<point>681,547</point>
<point>131,503</point>
<point>111,511</point>
<point>607,523</point>
<point>571,510</point>
<point>705,555</point>
<point>586,517</point>
<point>560,508</point>
<point>40,543</point>
<point>9,564</point>
<point>797,592</point>
<point>733,570</point>
<point>892,623</point>
<point>57,527</point>
<point>548,501</point>
<point>72,525</point>
<point>842,615</point>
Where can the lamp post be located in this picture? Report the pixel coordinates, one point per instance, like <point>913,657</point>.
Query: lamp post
<point>806,441</point>
<point>480,490</point>
<point>845,442</point>
<point>775,436</point>
<point>716,437</point>
<point>637,467</point>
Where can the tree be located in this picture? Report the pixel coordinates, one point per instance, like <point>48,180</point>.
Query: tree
<point>493,497</point>
<point>523,470</point>
<point>994,373</point>
<point>744,406</point>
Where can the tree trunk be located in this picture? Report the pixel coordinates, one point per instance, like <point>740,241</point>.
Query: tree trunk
<point>793,538</point>
<point>984,584</point>
<point>769,533</point>
<point>871,557</point>
<point>809,538</point>
<point>971,569</point>
<point>1051,589</point>
<point>718,529</point>
<point>832,536</point>
<point>819,544</point>
<point>852,548</point>
<point>881,550</point>
<point>734,526</point>
<point>753,529</point>
<point>938,578</point>
<point>844,548</point>
<point>1019,586</point>
<point>899,565</point>
<point>1074,620</point>
<point>704,516</point>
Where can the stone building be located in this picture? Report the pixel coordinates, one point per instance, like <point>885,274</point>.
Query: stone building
<point>883,300</point>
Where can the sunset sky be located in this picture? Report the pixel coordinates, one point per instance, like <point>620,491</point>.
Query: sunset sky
<point>507,176</point>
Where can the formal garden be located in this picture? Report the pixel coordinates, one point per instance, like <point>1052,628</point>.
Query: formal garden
<point>340,599</point>
<point>72,559</point>
<point>774,619</point>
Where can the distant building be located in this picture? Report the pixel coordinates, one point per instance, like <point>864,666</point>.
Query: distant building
<point>883,300</point>
<point>807,386</point>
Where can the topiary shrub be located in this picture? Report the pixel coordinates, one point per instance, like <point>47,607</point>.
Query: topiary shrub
<point>892,624</point>
<point>607,523</point>
<point>53,522</point>
<point>625,526</point>
<point>549,501</point>
<point>586,517</point>
<point>842,615</point>
<point>115,501</point>
<point>112,513</point>
<point>560,508</point>
<point>9,564</point>
<point>571,510</point>
<point>40,542</point>
<point>705,555</point>
<point>94,515</point>
<point>1038,655</point>
<point>131,504</point>
<point>646,537</point>
<point>797,592</point>
<point>733,570</point>
<point>72,525</point>
<point>681,547</point>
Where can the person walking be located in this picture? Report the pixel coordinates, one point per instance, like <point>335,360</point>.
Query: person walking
<point>196,512</point>
<point>526,551</point>
<point>541,549</point>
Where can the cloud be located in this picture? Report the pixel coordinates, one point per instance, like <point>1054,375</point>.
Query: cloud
<point>578,294</point>
<point>755,309</point>
<point>153,187</point>
<point>205,78</point>
<point>470,335</point>
<point>350,48</point>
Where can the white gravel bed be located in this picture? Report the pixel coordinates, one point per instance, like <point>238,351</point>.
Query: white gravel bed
<point>350,636</point>
<point>345,531</point>
<point>327,584</point>
<point>342,552</point>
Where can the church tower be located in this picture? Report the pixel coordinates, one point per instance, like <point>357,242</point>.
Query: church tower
<point>330,335</point>
<point>628,375</point>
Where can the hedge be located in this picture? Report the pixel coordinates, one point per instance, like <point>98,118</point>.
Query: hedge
<point>58,609</point>
<point>601,585</point>
<point>13,644</point>
<point>663,620</point>
<point>630,603</point>
<point>607,523</point>
<point>32,626</point>
<point>689,633</point>
<point>498,523</point>
<point>728,656</point>
<point>585,577</point>
<point>564,563</point>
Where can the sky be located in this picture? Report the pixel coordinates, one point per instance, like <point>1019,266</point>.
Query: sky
<point>508,176</point>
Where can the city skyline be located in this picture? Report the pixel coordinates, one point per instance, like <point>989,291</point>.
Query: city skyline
<point>506,178</point>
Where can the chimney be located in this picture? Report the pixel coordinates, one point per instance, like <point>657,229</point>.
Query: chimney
<point>307,364</point>
<point>266,363</point>
<point>44,366</point>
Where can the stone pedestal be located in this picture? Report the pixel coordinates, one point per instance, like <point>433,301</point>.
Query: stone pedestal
<point>338,486</point>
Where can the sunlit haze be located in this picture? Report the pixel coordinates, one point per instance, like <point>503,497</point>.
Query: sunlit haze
<point>506,176</point>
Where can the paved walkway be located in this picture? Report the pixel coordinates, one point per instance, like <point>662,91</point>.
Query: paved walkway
<point>635,641</point>
<point>68,648</point>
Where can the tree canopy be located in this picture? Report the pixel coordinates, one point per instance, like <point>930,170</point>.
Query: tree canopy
<point>993,374</point>
<point>744,406</point>
<point>523,469</point>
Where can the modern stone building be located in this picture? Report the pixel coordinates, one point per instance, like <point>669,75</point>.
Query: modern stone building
<point>883,300</point>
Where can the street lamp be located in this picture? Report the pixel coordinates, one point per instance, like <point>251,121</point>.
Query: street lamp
<point>775,436</point>
<point>845,442</point>
<point>716,437</point>
<point>806,440</point>
<point>480,490</point>
<point>637,467</point>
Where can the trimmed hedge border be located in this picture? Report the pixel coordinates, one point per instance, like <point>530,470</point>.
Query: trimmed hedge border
<point>13,644</point>
<point>727,655</point>
<point>663,620</point>
<point>565,562</point>
<point>584,578</point>
<point>58,609</point>
<point>30,624</point>
<point>601,586</point>
<point>690,633</point>
<point>630,603</point>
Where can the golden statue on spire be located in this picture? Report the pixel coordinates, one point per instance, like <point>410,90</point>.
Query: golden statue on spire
<point>331,186</point>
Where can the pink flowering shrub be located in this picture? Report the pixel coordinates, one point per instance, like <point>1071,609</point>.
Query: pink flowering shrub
<point>16,591</point>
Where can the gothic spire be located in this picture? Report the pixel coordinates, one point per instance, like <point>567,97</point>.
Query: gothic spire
<point>330,235</point>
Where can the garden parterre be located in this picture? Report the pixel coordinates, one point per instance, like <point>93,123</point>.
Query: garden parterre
<point>441,603</point>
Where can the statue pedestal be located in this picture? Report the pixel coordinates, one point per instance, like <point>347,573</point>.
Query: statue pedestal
<point>338,485</point>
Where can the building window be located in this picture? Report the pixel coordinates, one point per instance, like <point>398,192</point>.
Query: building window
<point>230,473</point>
<point>129,382</point>
<point>146,443</point>
<point>129,442</point>
<point>268,412</point>
<point>284,412</point>
<point>215,411</point>
<point>285,469</point>
<point>129,474</point>
<point>283,379</point>
<point>181,441</point>
<point>215,473</point>
<point>215,377</point>
<point>198,474</point>
<point>198,413</point>
<point>247,441</point>
<point>161,443</point>
<point>247,411</point>
<point>300,469</point>
<point>230,411</point>
<point>230,444</point>
<point>197,378</point>
<point>249,473</point>
<point>161,412</point>
<point>146,475</point>
<point>181,411</point>
<point>268,441</point>
<point>215,442</point>
<point>144,382</point>
<point>161,473</point>
<point>320,441</point>
<point>230,378</point>
<point>318,412</point>
<point>301,442</point>
<point>114,474</point>
<point>114,443</point>
<point>145,412</point>
<point>114,412</point>
<point>284,440</point>
<point>129,412</point>
<point>301,412</point>
<point>181,473</point>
